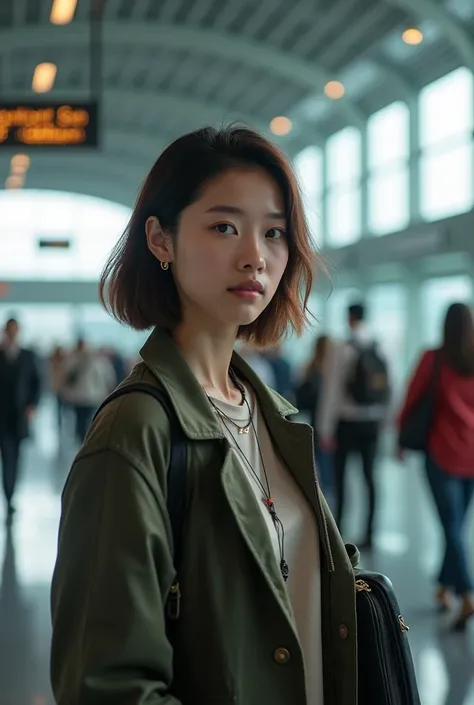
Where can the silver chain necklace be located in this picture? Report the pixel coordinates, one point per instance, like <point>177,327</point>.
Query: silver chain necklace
<point>267,496</point>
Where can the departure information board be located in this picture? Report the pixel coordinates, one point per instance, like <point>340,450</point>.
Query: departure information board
<point>41,124</point>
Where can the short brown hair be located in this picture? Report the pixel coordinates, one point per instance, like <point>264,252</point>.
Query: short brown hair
<point>133,286</point>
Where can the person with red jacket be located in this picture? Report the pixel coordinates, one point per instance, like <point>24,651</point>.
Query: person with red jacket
<point>450,454</point>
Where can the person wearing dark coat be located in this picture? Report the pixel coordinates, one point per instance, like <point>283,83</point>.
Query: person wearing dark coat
<point>20,390</point>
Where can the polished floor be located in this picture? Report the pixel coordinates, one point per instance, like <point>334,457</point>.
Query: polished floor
<point>407,549</point>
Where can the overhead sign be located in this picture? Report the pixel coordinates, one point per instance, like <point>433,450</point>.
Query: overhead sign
<point>40,124</point>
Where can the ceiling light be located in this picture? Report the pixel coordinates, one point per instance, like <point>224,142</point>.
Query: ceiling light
<point>281,125</point>
<point>334,90</point>
<point>14,181</point>
<point>63,11</point>
<point>412,36</point>
<point>44,77</point>
<point>20,163</point>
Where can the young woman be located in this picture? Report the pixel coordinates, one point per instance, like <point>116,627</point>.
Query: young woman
<point>450,457</point>
<point>217,250</point>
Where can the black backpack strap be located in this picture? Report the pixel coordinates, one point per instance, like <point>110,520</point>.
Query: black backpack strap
<point>178,464</point>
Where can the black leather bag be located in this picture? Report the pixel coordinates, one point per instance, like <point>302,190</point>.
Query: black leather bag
<point>386,674</point>
<point>415,431</point>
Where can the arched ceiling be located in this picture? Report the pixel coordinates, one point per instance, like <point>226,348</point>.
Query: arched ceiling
<point>170,66</point>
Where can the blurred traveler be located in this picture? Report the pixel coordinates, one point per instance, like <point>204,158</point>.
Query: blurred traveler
<point>58,363</point>
<point>308,399</point>
<point>282,371</point>
<point>450,454</point>
<point>20,388</point>
<point>89,378</point>
<point>353,405</point>
<point>217,249</point>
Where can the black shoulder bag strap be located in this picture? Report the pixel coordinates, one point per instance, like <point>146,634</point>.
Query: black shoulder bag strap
<point>177,468</point>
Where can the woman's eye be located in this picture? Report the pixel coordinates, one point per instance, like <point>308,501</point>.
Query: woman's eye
<point>275,234</point>
<point>225,229</point>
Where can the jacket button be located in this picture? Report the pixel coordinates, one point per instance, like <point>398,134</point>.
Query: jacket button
<point>343,631</point>
<point>282,656</point>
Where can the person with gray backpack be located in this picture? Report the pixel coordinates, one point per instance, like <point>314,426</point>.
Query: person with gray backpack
<point>354,403</point>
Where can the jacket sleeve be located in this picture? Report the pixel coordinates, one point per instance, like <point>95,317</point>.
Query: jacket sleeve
<point>417,386</point>
<point>112,575</point>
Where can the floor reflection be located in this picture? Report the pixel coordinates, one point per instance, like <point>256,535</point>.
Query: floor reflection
<point>408,547</point>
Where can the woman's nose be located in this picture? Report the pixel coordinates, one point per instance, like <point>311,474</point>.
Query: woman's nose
<point>251,257</point>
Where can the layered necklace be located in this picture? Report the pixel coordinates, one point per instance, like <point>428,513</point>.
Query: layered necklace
<point>264,488</point>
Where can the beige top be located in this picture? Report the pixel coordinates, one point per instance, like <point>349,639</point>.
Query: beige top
<point>301,534</point>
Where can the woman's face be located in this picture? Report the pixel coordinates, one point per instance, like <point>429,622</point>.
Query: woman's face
<point>231,249</point>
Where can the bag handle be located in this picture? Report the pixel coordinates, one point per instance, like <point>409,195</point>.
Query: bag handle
<point>178,462</point>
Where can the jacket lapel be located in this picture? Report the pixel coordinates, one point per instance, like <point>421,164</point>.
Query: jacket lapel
<point>253,528</point>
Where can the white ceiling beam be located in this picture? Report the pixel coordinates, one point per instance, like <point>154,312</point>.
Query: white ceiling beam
<point>226,47</point>
<point>459,37</point>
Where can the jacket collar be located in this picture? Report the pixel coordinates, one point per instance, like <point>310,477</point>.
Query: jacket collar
<point>164,359</point>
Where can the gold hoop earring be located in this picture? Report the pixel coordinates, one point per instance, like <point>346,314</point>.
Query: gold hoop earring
<point>164,265</point>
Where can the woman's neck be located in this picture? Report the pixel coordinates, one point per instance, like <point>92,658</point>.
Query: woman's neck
<point>209,358</point>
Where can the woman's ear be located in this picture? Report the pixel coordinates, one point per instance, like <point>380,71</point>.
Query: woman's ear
<point>159,242</point>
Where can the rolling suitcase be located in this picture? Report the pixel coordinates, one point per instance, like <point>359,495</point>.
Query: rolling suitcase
<point>386,672</point>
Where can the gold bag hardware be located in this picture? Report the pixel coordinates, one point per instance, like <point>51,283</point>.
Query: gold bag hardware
<point>362,586</point>
<point>403,626</point>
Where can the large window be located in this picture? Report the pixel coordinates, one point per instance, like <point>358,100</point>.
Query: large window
<point>343,153</point>
<point>388,155</point>
<point>92,226</point>
<point>387,313</point>
<point>446,125</point>
<point>309,170</point>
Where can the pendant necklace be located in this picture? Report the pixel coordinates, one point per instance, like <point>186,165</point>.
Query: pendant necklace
<point>266,491</point>
<point>242,430</point>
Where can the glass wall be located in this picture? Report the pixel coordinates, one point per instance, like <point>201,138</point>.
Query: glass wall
<point>387,318</point>
<point>388,159</point>
<point>309,170</point>
<point>446,125</point>
<point>344,172</point>
<point>443,147</point>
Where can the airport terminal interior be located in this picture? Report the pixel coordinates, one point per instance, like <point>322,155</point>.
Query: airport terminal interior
<point>372,100</point>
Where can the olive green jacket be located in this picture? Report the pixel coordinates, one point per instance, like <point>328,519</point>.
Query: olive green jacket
<point>235,640</point>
